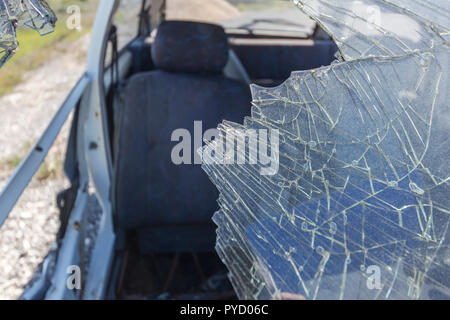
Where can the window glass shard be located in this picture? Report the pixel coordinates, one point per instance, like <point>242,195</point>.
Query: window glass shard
<point>435,12</point>
<point>359,207</point>
<point>34,14</point>
<point>380,27</point>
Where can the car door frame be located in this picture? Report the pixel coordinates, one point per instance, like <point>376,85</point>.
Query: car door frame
<point>94,165</point>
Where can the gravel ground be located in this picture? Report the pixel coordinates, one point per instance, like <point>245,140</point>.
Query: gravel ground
<point>27,235</point>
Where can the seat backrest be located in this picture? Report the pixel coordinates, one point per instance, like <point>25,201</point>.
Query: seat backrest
<point>150,190</point>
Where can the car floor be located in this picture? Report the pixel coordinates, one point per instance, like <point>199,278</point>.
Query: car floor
<point>190,276</point>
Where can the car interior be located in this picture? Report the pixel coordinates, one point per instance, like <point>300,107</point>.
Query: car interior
<point>184,72</point>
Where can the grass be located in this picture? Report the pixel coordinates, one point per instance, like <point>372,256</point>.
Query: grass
<point>48,170</point>
<point>34,49</point>
<point>12,162</point>
<point>51,167</point>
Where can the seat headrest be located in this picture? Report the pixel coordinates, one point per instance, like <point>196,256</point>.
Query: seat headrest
<point>182,46</point>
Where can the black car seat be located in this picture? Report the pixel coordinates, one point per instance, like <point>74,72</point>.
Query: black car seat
<point>170,206</point>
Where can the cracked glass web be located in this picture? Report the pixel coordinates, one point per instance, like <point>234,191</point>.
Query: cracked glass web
<point>34,14</point>
<point>360,206</point>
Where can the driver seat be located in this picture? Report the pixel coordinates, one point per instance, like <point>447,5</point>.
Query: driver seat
<point>170,206</point>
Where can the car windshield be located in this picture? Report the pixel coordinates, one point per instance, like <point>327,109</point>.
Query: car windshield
<point>256,16</point>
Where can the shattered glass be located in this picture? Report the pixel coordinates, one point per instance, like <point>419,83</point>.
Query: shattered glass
<point>360,205</point>
<point>381,28</point>
<point>33,14</point>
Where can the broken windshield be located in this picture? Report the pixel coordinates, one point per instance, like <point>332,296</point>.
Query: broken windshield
<point>359,207</point>
<point>34,14</point>
<point>258,17</point>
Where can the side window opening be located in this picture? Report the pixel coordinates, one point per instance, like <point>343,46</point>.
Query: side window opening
<point>127,19</point>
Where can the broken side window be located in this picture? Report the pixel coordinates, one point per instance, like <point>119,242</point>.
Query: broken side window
<point>359,207</point>
<point>34,14</point>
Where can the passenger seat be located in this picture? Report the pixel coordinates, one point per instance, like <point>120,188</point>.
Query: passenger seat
<point>170,207</point>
